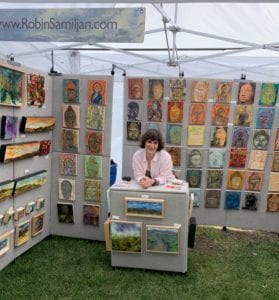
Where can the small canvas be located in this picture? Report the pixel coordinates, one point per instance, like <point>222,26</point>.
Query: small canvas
<point>44,147</point>
<point>133,131</point>
<point>178,89</point>
<point>195,135</point>
<point>93,166</point>
<point>92,190</point>
<point>223,92</point>
<point>220,114</point>
<point>194,158</point>
<point>94,142</point>
<point>154,125</point>
<point>200,90</point>
<point>5,242</point>
<point>235,179</point>
<point>214,179</point>
<point>134,110</point>
<point>197,196</point>
<point>193,178</point>
<point>197,114</point>
<point>156,89</point>
<point>243,115</point>
<point>261,139</point>
<point>67,189</point>
<point>38,224</point>
<point>216,158</point>
<point>70,90</point>
<point>22,233</point>
<point>238,157</point>
<point>68,164</point>
<point>212,198</point>
<point>97,92</point>
<point>272,202</point>
<point>6,189</point>
<point>19,213</point>
<point>8,217</point>
<point>246,92</point>
<point>30,207</point>
<point>240,137</point>
<point>175,153</point>
<point>218,136</point>
<point>141,207</point>
<point>175,112</point>
<point>70,140</point>
<point>269,93</point>
<point>35,89</point>
<point>154,110</point>
<point>232,200</point>
<point>257,160</point>
<point>135,88</point>
<point>9,127</point>
<point>95,117</point>
<point>275,162</point>
<point>251,201</point>
<point>40,203</point>
<point>65,213</point>
<point>265,117</point>
<point>71,116</point>
<point>276,141</point>
<point>91,214</point>
<point>273,184</point>
<point>174,134</point>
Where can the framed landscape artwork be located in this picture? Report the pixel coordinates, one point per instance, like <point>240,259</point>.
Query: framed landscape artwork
<point>22,233</point>
<point>5,242</point>
<point>37,224</point>
<point>140,207</point>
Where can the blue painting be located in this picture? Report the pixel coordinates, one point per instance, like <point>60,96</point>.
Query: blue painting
<point>153,208</point>
<point>264,118</point>
<point>232,200</point>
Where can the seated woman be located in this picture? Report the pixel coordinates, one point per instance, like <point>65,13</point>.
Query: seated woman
<point>152,165</point>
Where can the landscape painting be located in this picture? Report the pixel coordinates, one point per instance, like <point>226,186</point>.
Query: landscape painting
<point>163,239</point>
<point>5,242</point>
<point>37,225</point>
<point>152,208</point>
<point>22,233</point>
<point>6,189</point>
<point>36,124</point>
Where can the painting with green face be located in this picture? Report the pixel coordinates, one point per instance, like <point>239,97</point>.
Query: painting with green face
<point>269,94</point>
<point>92,166</point>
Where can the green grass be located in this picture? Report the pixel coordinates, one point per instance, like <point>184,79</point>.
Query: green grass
<point>223,265</point>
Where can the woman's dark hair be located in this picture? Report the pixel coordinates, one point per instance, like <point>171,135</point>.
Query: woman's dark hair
<point>153,135</point>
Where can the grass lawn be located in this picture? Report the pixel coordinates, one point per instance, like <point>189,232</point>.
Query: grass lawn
<point>223,265</point>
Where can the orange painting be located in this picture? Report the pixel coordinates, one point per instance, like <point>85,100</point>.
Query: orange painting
<point>97,92</point>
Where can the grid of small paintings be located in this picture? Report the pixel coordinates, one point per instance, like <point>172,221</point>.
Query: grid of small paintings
<point>219,134</point>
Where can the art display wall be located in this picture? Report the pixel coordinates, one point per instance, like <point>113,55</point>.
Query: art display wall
<point>223,137</point>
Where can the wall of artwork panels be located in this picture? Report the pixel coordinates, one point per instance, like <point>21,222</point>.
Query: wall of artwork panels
<point>223,137</point>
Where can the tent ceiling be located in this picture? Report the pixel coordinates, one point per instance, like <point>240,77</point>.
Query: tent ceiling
<point>205,40</point>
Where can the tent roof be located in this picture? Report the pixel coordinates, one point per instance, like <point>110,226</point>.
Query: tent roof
<point>213,40</point>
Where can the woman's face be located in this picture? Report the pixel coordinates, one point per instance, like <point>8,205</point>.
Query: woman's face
<point>151,147</point>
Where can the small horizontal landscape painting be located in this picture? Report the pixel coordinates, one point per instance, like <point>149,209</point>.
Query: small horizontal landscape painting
<point>36,124</point>
<point>152,208</point>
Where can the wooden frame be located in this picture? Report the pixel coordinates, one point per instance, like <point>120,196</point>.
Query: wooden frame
<point>38,224</point>
<point>141,207</point>
<point>36,124</point>
<point>22,233</point>
<point>5,242</point>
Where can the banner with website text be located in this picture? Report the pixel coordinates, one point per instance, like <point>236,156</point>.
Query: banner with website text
<point>110,25</point>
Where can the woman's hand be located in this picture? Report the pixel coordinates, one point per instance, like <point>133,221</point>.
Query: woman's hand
<point>146,182</point>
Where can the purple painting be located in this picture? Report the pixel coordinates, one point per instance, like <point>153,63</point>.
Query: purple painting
<point>8,127</point>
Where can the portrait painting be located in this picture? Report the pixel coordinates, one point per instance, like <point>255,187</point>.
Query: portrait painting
<point>29,182</point>
<point>67,189</point>
<point>220,114</point>
<point>70,140</point>
<point>126,236</point>
<point>162,239</point>
<point>178,89</point>
<point>212,198</point>
<point>11,87</point>
<point>246,92</point>
<point>95,118</point>
<point>36,124</point>
<point>197,113</point>
<point>135,88</point>
<point>92,190</point>
<point>216,158</point>
<point>6,189</point>
<point>275,162</point>
<point>65,213</point>
<point>133,131</point>
<point>140,207</point>
<point>40,203</point>
<point>92,166</point>
<point>154,110</point>
<point>94,142</point>
<point>251,201</point>
<point>193,177</point>
<point>232,200</point>
<point>175,111</point>
<point>223,92</point>
<point>175,153</point>
<point>197,196</point>
<point>19,213</point>
<point>44,147</point>
<point>240,137</point>
<point>71,116</point>
<point>68,164</point>
<point>261,139</point>
<point>269,93</point>
<point>38,224</point>
<point>276,141</point>
<point>91,214</point>
<point>235,179</point>
<point>71,90</point>
<point>35,89</point>
<point>8,127</point>
<point>154,125</point>
<point>97,92</point>
<point>174,134</point>
<point>5,242</point>
<point>218,136</point>
<point>134,110</point>
<point>254,181</point>
<point>200,91</point>
<point>214,179</point>
<point>257,160</point>
<point>273,184</point>
<point>156,89</point>
<point>22,233</point>
<point>272,202</point>
<point>195,135</point>
<point>264,117</point>
<point>243,115</point>
<point>238,157</point>
<point>16,151</point>
<point>194,158</point>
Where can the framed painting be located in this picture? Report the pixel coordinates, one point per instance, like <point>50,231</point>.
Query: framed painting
<point>261,139</point>
<point>92,190</point>
<point>235,179</point>
<point>174,134</point>
<point>238,157</point>
<point>133,131</point>
<point>214,179</point>
<point>8,216</point>
<point>246,92</point>
<point>251,201</point>
<point>6,189</point>
<point>97,92</point>
<point>71,116</point>
<point>148,208</point>
<point>175,111</point>
<point>232,200</point>
<point>197,196</point>
<point>8,127</point>
<point>65,213</point>
<point>195,135</point>
<point>269,93</point>
<point>257,160</point>
<point>200,91</point>
<point>175,153</point>
<point>71,90</point>
<point>94,141</point>
<point>19,213</point>
<point>216,158</point>
<point>154,110</point>
<point>194,178</point>
<point>265,117</point>
<point>240,137</point>
<point>30,207</point>
<point>218,136</point>
<point>70,140</point>
<point>197,114</point>
<point>11,87</point>
<point>95,118</point>
<point>272,202</point>
<point>68,164</point>
<point>254,180</point>
<point>40,203</point>
<point>22,233</point>
<point>44,147</point>
<point>91,214</point>
<point>67,189</point>
<point>36,124</point>
<point>220,114</point>
<point>243,115</point>
<point>38,224</point>
<point>11,152</point>
<point>126,236</point>
<point>275,162</point>
<point>135,88</point>
<point>223,92</point>
<point>5,242</point>
<point>35,90</point>
<point>29,182</point>
<point>134,110</point>
<point>194,158</point>
<point>162,239</point>
<point>178,89</point>
<point>92,166</point>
